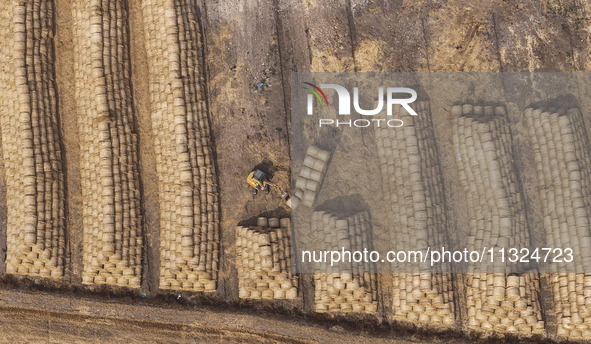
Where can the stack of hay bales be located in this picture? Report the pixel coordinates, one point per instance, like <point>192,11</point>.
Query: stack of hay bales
<point>310,177</point>
<point>414,188</point>
<point>188,191</point>
<point>495,300</point>
<point>30,141</point>
<point>563,162</point>
<point>353,289</point>
<point>263,260</point>
<point>112,244</point>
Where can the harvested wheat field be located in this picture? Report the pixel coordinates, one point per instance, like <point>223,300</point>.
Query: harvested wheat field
<point>128,127</point>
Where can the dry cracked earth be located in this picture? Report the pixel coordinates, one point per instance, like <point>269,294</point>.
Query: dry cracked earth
<point>128,127</point>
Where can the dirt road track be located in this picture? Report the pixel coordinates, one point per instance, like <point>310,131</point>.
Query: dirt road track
<point>243,54</point>
<point>62,319</point>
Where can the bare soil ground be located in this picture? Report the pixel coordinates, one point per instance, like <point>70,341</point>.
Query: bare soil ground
<point>252,42</point>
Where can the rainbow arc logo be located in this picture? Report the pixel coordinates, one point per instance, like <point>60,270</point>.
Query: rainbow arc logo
<point>315,88</point>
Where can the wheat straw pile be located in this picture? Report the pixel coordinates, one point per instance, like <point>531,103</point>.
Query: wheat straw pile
<point>263,260</point>
<point>563,162</point>
<point>108,145</point>
<point>414,188</point>
<point>354,288</point>
<point>188,192</point>
<point>495,301</point>
<point>308,182</point>
<point>30,141</point>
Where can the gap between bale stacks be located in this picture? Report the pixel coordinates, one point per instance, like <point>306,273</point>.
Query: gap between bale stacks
<point>263,260</point>
<point>30,140</point>
<point>495,301</point>
<point>561,154</point>
<point>187,186</point>
<point>112,243</point>
<point>413,186</point>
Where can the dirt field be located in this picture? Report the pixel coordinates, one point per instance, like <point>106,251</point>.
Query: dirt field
<point>235,72</point>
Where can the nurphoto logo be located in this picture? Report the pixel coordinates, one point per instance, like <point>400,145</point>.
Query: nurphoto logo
<point>344,105</point>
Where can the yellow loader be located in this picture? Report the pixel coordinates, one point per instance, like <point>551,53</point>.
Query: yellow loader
<point>259,180</point>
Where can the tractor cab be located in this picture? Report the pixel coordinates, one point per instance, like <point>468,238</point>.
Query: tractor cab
<point>259,181</point>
